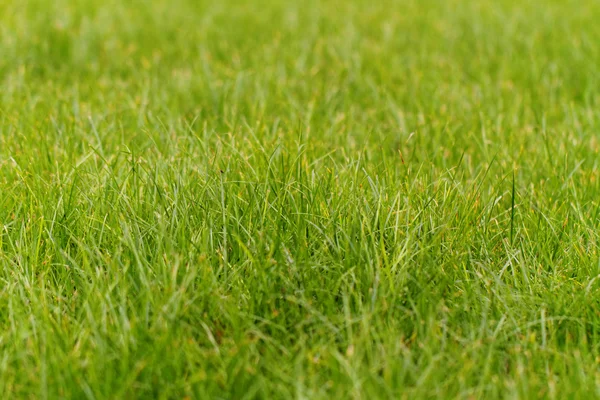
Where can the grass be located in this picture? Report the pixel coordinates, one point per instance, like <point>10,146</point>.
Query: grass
<point>299,199</point>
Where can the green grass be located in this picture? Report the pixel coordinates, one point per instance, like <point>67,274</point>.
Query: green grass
<point>299,199</point>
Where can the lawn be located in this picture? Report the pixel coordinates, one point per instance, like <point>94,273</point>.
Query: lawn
<point>341,199</point>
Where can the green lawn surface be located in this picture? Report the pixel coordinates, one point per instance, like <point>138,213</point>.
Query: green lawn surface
<point>299,199</point>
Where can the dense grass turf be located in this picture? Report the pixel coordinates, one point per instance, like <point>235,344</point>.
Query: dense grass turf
<point>299,199</point>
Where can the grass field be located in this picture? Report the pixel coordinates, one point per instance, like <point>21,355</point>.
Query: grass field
<point>299,199</point>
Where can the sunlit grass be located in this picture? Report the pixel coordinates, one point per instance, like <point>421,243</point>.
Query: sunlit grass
<point>299,199</point>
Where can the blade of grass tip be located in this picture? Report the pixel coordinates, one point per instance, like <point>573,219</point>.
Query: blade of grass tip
<point>512,210</point>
